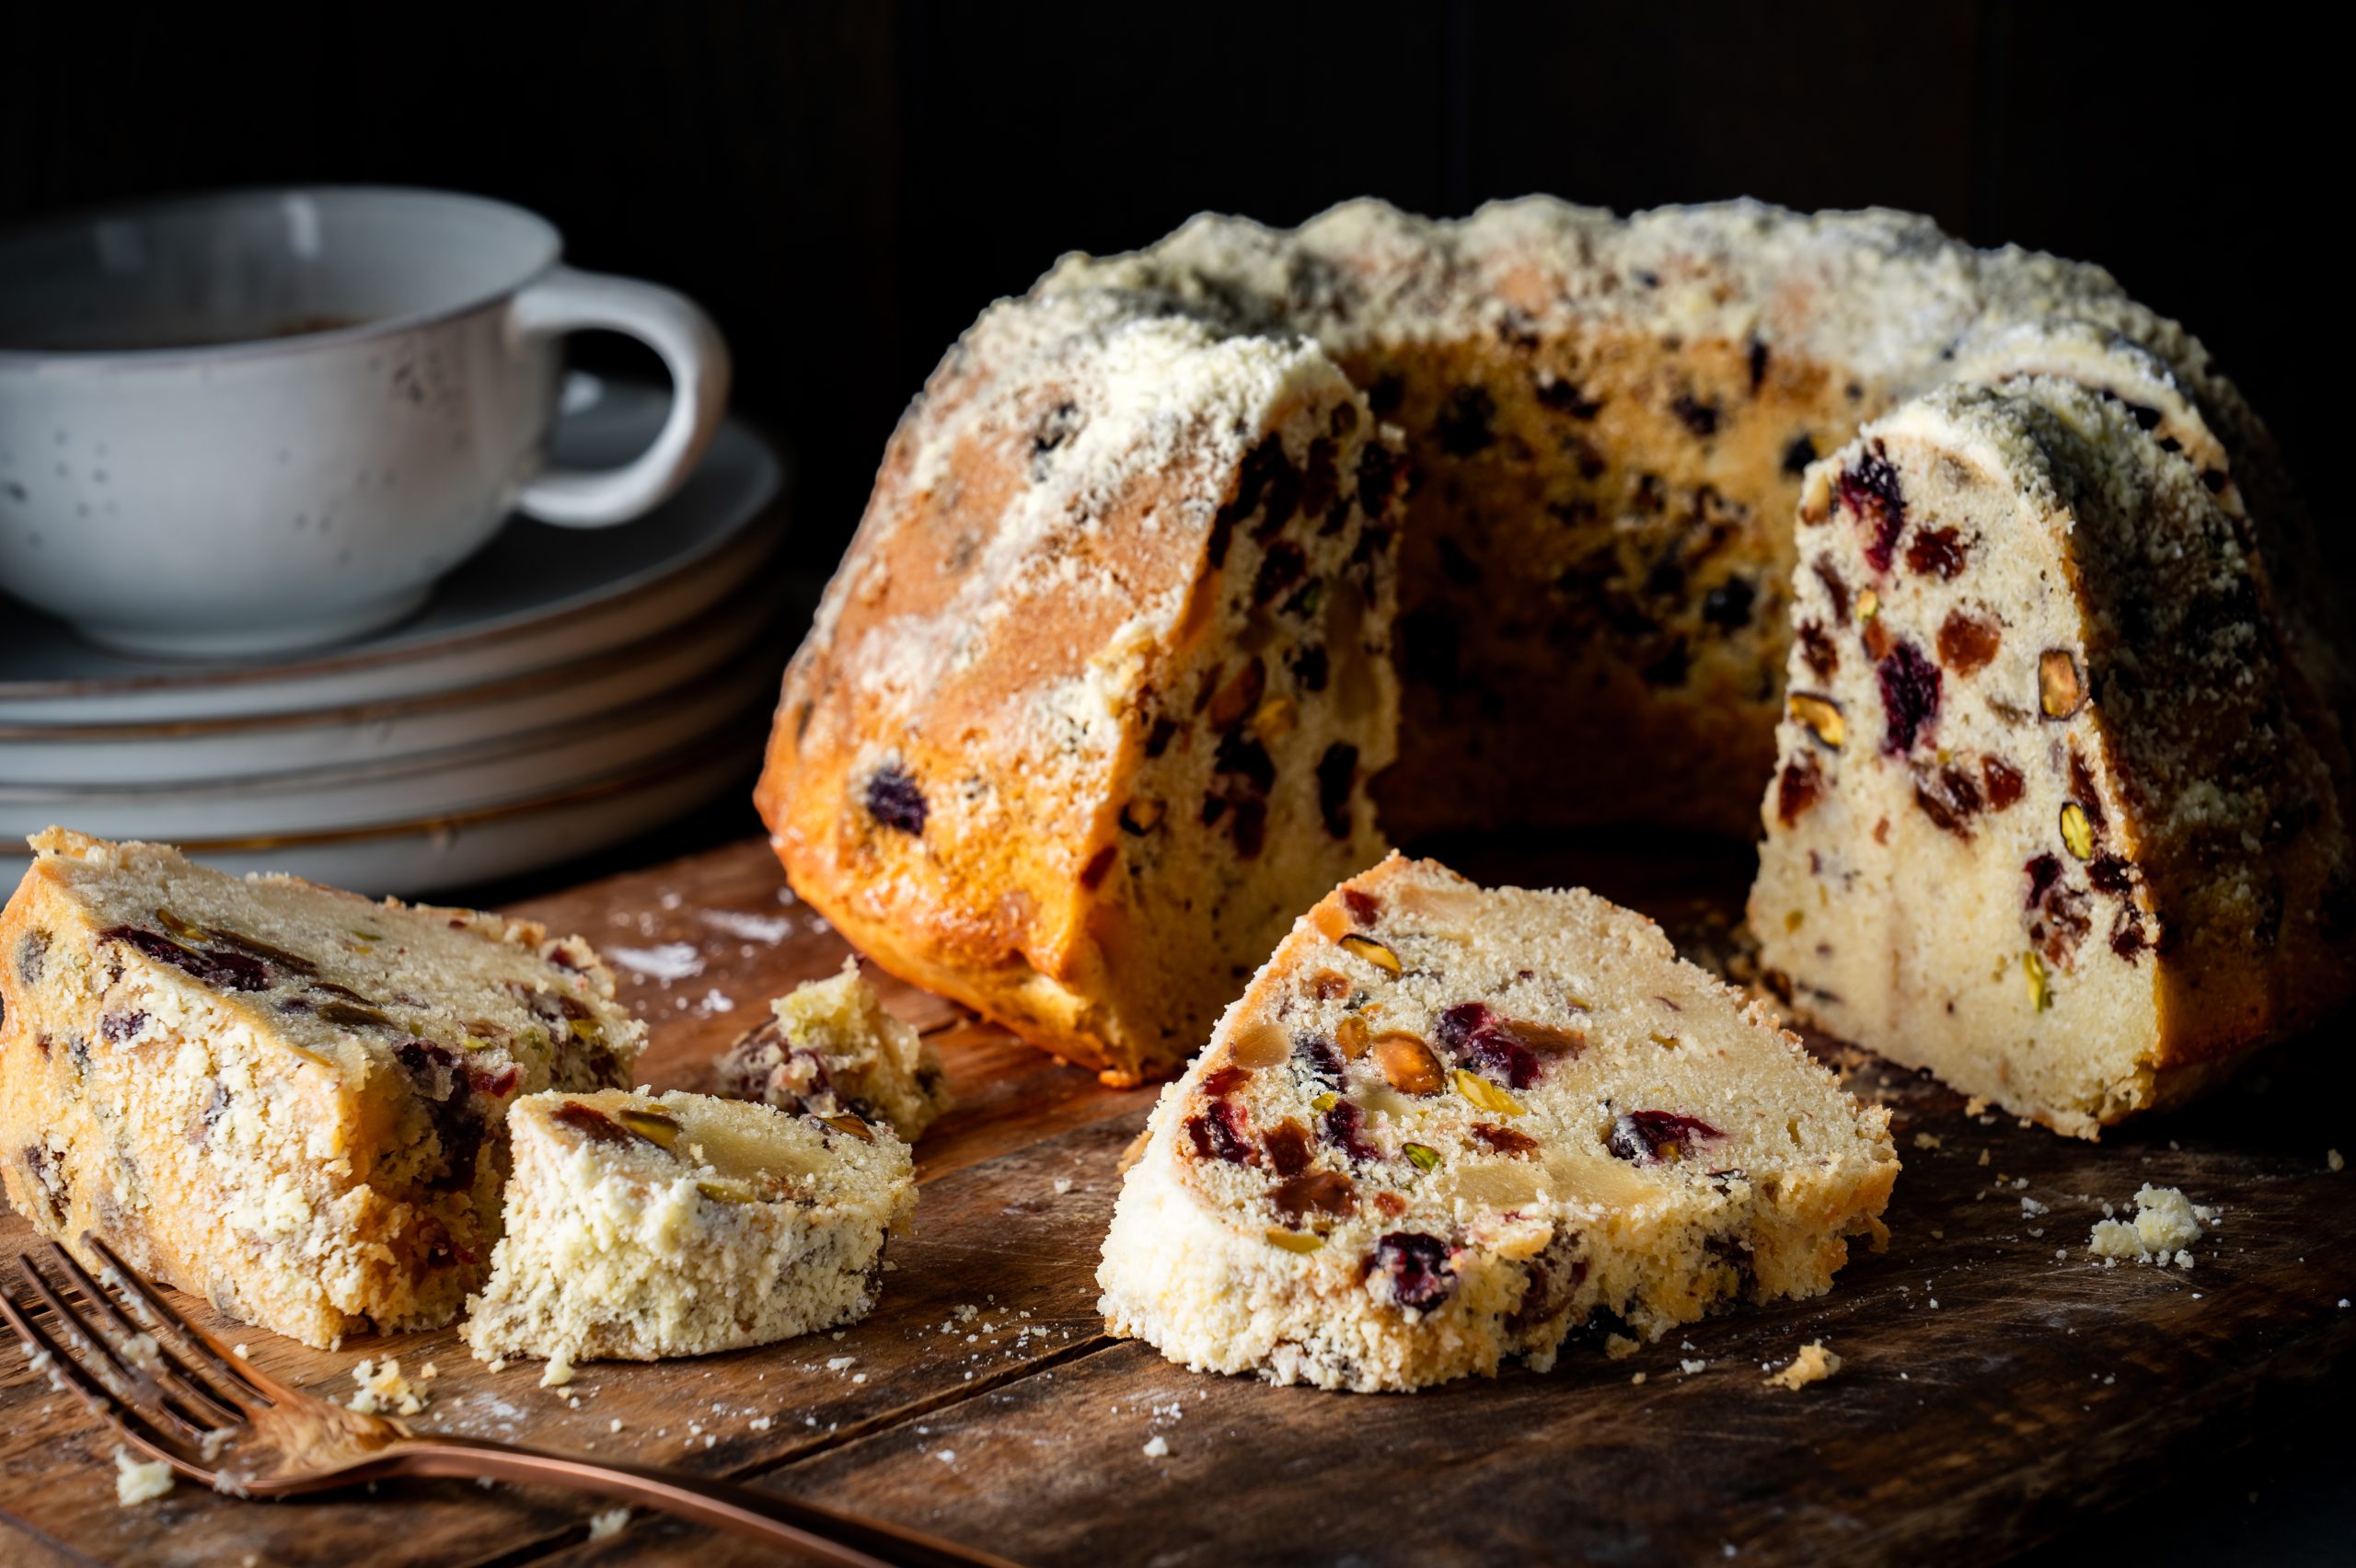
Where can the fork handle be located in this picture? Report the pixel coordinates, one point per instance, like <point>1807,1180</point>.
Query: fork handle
<point>819,1535</point>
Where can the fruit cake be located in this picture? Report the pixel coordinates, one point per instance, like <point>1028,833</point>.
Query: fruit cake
<point>830,1047</point>
<point>640,1227</point>
<point>1115,640</point>
<point>1447,1126</point>
<point>289,1100</point>
<point>2050,818</point>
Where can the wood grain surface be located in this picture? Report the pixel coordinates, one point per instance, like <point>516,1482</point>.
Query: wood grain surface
<point>1995,1384</point>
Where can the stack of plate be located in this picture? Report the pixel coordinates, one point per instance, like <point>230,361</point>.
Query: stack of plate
<point>564,691</point>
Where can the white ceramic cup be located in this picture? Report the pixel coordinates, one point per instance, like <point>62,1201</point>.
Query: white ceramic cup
<point>241,423</point>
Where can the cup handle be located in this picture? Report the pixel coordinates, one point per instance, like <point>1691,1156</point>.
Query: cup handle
<point>672,325</point>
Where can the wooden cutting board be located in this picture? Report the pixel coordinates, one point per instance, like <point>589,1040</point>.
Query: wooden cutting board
<point>1994,1383</point>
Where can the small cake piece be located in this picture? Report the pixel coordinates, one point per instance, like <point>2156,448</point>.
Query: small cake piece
<point>2166,1226</point>
<point>831,1048</point>
<point>640,1227</point>
<point>288,1100</point>
<point>1814,1364</point>
<point>2054,813</point>
<point>1444,1125</point>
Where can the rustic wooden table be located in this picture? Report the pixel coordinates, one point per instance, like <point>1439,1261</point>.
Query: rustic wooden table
<point>1995,1384</point>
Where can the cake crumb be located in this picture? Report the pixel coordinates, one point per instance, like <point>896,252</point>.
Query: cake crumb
<point>1983,1157</point>
<point>557,1373</point>
<point>1062,1184</point>
<point>139,1481</point>
<point>607,1525</point>
<point>2166,1226</point>
<point>1814,1364</point>
<point>384,1391</point>
<point>1926,1140</point>
<point>1158,1448</point>
<point>2332,1162</point>
<point>1619,1347</point>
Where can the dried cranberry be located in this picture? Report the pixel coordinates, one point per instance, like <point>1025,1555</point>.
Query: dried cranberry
<point>1648,1138</point>
<point>1318,1064</point>
<point>1343,1127</point>
<point>894,800</point>
<point>1504,1140</point>
<point>116,1028</point>
<point>1936,552</point>
<point>1328,1191</point>
<point>1910,697</point>
<point>1363,907</point>
<point>1417,1266</point>
<point>1226,1080</point>
<point>1870,489</point>
<point>2127,936</point>
<point>1462,423</point>
<point>1337,772</point>
<point>1700,418</point>
<point>1949,797</point>
<point>1287,1147</point>
<point>1477,1037</point>
<point>497,1085</point>
<point>1218,1133</point>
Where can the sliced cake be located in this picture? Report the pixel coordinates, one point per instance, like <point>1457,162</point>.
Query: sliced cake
<point>1445,1126</point>
<point>289,1100</point>
<point>831,1048</point>
<point>640,1227</point>
<point>2053,814</point>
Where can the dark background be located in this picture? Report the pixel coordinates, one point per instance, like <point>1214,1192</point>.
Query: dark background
<point>845,185</point>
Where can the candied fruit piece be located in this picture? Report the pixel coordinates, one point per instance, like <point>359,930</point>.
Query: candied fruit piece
<point>1363,907</point>
<point>1649,1138</point>
<point>1350,1034</point>
<point>1949,797</point>
<point>1407,1064</point>
<point>1287,1147</point>
<point>1797,788</point>
<point>2060,686</point>
<point>1910,697</point>
<point>2004,782</point>
<point>1504,1140</point>
<point>1220,1082</point>
<point>1326,1191</point>
<point>1822,716</point>
<point>1415,1266</point>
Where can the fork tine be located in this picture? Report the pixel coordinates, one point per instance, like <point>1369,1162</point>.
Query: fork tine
<point>125,1421</point>
<point>129,1383</point>
<point>175,1375</point>
<point>202,1347</point>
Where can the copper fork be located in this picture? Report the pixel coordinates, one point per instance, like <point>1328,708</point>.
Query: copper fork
<point>226,1424</point>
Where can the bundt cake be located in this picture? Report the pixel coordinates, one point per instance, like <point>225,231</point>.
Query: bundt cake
<point>1093,706</point>
<point>1445,1126</point>
<point>2044,819</point>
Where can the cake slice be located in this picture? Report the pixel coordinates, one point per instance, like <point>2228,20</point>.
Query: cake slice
<point>640,1227</point>
<point>1444,1127</point>
<point>2050,814</point>
<point>831,1048</point>
<point>289,1100</point>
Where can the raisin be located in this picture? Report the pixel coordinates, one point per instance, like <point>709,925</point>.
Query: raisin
<point>1797,788</point>
<point>1328,1191</point>
<point>2082,786</point>
<point>2127,937</point>
<point>1870,489</point>
<point>1648,1138</point>
<point>1504,1140</point>
<point>1287,1147</point>
<point>1799,455</point>
<point>1727,605</point>
<point>1338,773</point>
<point>459,1127</point>
<point>1462,423</point>
<point>1234,699</point>
<point>1363,907</point>
<point>1966,643</point>
<point>1697,416</point>
<point>33,956</point>
<point>1321,480</point>
<point>1241,755</point>
<point>1311,668</point>
<point>1949,797</point>
<point>1216,1135</point>
<point>1416,1267</point>
<point>2111,874</point>
<point>595,1124</point>
<point>36,1159</point>
<point>1378,474</point>
<point>1225,1080</point>
<point>1834,589</point>
<point>1564,397</point>
<point>1476,1037</point>
<point>1936,552</point>
<point>894,800</point>
<point>1250,828</point>
<point>1283,565</point>
<point>1910,697</point>
<point>225,971</point>
<point>2004,782</point>
<point>1343,1127</point>
<point>1098,864</point>
<point>2043,871</point>
<point>1818,652</point>
<point>1758,360</point>
<point>116,1028</point>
